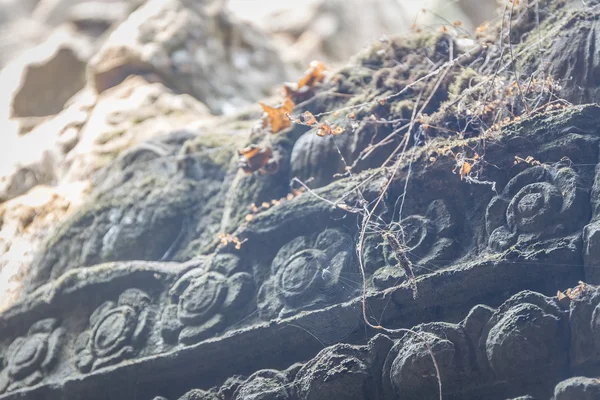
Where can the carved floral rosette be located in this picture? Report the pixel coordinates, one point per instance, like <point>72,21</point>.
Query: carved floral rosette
<point>427,242</point>
<point>202,302</point>
<point>538,203</point>
<point>30,358</point>
<point>116,331</point>
<point>306,273</point>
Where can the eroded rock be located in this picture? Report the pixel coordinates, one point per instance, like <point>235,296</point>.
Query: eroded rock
<point>196,47</point>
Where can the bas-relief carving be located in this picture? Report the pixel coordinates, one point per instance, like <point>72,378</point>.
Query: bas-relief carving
<point>539,203</point>
<point>306,273</point>
<point>30,358</point>
<point>426,242</point>
<point>117,331</point>
<point>202,302</point>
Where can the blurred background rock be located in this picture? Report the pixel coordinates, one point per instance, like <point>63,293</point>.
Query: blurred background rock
<point>84,80</point>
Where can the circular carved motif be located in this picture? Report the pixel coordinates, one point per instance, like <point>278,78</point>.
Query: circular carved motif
<point>301,274</point>
<point>306,272</point>
<point>113,331</point>
<point>28,356</point>
<point>201,297</point>
<point>533,207</point>
<point>538,203</point>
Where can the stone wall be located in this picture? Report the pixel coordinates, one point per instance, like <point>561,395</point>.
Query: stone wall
<point>428,259</point>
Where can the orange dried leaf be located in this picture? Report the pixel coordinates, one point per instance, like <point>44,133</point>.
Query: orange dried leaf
<point>249,217</point>
<point>326,129</point>
<point>337,130</point>
<point>309,119</point>
<point>323,129</point>
<point>253,157</point>
<point>465,169</point>
<point>313,75</point>
<point>277,115</point>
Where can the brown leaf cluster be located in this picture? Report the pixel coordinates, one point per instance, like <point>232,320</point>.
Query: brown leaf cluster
<point>256,158</point>
<point>278,117</point>
<point>329,129</point>
<point>259,158</point>
<point>313,75</point>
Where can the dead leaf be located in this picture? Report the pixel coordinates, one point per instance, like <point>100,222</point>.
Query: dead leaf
<point>309,119</point>
<point>560,295</point>
<point>337,130</point>
<point>277,115</point>
<point>327,129</point>
<point>313,75</point>
<point>465,169</point>
<point>253,158</point>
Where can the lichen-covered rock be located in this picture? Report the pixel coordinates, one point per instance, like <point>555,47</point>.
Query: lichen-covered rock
<point>573,56</point>
<point>264,385</point>
<point>147,216</point>
<point>200,291</point>
<point>24,223</point>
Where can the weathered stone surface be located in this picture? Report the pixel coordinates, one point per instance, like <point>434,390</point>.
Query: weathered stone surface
<point>196,47</point>
<point>115,331</point>
<point>63,56</point>
<point>577,388</point>
<point>306,273</point>
<point>158,205</point>
<point>527,329</point>
<point>425,265</point>
<point>136,110</point>
<point>29,358</point>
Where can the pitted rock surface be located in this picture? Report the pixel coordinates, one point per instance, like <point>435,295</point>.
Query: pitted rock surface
<point>183,277</point>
